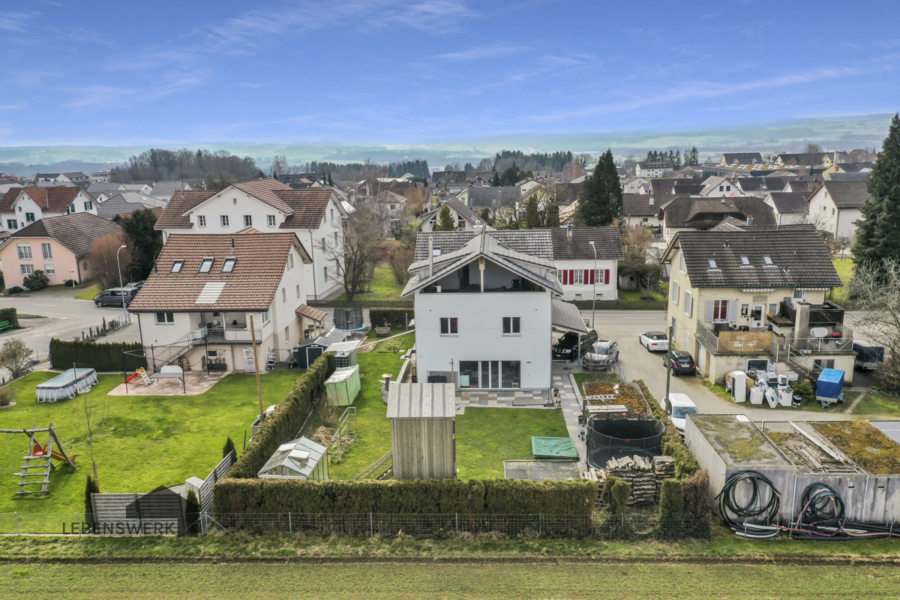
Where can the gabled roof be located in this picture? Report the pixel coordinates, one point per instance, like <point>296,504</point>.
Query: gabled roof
<point>705,213</point>
<point>174,217</point>
<point>750,184</point>
<point>126,202</point>
<point>77,231</point>
<point>790,202</point>
<point>455,205</point>
<point>250,286</point>
<point>51,199</point>
<point>799,258</point>
<point>847,194</point>
<point>264,190</point>
<point>165,189</point>
<point>307,205</point>
<point>535,242</point>
<point>742,158</point>
<point>607,240</point>
<point>493,197</point>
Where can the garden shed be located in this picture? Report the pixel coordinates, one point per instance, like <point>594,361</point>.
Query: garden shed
<point>343,386</point>
<point>299,459</point>
<point>423,430</point>
<point>306,352</point>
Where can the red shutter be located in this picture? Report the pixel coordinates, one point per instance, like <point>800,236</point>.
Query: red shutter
<point>592,278</point>
<point>565,279</point>
<point>571,276</point>
<point>586,277</point>
<point>606,276</point>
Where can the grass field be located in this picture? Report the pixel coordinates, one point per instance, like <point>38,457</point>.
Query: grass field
<point>448,580</point>
<point>382,288</point>
<point>88,293</point>
<point>143,441</point>
<point>845,272</point>
<point>877,404</point>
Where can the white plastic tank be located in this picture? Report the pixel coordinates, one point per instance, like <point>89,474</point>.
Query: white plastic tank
<point>756,395</point>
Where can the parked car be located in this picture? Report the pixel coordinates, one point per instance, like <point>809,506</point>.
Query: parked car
<point>135,284</point>
<point>655,341</point>
<point>682,363</point>
<point>601,356</point>
<point>678,408</point>
<point>566,347</point>
<point>113,296</point>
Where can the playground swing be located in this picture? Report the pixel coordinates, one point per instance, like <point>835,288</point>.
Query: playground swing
<point>39,459</point>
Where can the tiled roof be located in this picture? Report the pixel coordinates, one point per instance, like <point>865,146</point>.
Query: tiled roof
<point>534,242</point>
<point>304,310</point>
<point>126,202</point>
<point>173,216</point>
<point>463,211</point>
<point>742,158</point>
<point>165,189</point>
<point>854,167</point>
<point>848,194</point>
<point>51,199</point>
<point>776,183</point>
<point>790,202</point>
<point>493,197</point>
<point>607,240</point>
<point>264,190</point>
<point>705,213</point>
<point>750,184</point>
<point>799,258</point>
<point>77,231</point>
<point>308,205</point>
<point>639,205</point>
<point>250,286</point>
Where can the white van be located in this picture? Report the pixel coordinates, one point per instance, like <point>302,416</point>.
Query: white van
<point>678,407</point>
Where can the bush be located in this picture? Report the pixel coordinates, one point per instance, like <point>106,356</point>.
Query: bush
<point>229,447</point>
<point>395,318</point>
<point>11,315</point>
<point>37,281</point>
<point>697,506</point>
<point>15,290</point>
<point>804,389</point>
<point>103,357</point>
<point>286,419</point>
<point>90,487</point>
<point>672,443</point>
<point>7,395</point>
<point>192,514</point>
<point>671,509</point>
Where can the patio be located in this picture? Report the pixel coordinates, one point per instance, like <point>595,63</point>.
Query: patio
<point>195,383</point>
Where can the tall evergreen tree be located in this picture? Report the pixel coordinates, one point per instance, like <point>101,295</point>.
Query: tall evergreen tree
<point>600,199</point>
<point>330,180</point>
<point>445,220</point>
<point>649,155</point>
<point>486,217</point>
<point>532,218</point>
<point>495,182</point>
<point>553,215</point>
<point>878,233</point>
<point>143,241</point>
<point>677,160</point>
<point>695,157</point>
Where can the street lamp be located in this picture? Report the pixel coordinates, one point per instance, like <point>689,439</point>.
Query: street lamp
<point>121,290</point>
<point>594,279</point>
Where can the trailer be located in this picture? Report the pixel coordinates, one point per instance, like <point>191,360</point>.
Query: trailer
<point>868,358</point>
<point>830,387</point>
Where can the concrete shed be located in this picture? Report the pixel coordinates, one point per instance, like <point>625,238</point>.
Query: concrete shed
<point>423,430</point>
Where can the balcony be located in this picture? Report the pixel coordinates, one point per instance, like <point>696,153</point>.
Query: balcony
<point>719,338</point>
<point>828,314</point>
<point>229,335</point>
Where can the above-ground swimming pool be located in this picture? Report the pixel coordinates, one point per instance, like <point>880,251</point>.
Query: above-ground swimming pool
<point>67,385</point>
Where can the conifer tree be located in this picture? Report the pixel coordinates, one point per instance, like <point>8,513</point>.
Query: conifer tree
<point>600,199</point>
<point>532,219</point>
<point>445,220</point>
<point>495,182</point>
<point>486,217</point>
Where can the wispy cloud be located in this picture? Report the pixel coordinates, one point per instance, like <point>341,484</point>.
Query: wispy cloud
<point>109,96</point>
<point>482,52</point>
<point>17,21</point>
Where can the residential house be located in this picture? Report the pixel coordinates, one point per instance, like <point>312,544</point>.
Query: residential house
<point>60,246</point>
<point>60,179</point>
<point>651,169</point>
<point>21,206</point>
<point>741,158</point>
<point>527,186</point>
<point>790,207</point>
<point>777,183</point>
<point>163,190</point>
<point>315,215</point>
<point>851,167</point>
<point>805,184</point>
<point>114,188</point>
<point>498,200</point>
<point>465,218</point>
<point>808,159</point>
<point>740,300</point>
<point>125,203</point>
<point>836,206</point>
<point>751,186</point>
<point>643,210</point>
<point>684,214</point>
<point>485,311</point>
<point>452,181</point>
<point>676,185</point>
<point>719,186</point>
<point>636,185</point>
<point>394,207</point>
<point>200,298</point>
<point>582,273</point>
<point>100,176</point>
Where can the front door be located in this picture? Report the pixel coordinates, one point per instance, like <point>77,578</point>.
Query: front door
<point>757,316</point>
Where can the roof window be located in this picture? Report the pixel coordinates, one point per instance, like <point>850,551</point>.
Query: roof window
<point>228,265</point>
<point>768,260</point>
<point>712,264</point>
<point>745,262</point>
<point>176,266</point>
<point>206,265</point>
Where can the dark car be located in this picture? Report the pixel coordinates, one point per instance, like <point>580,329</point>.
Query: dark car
<point>113,297</point>
<point>682,363</point>
<point>566,348</point>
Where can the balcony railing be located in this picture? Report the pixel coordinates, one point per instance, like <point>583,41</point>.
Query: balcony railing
<point>825,345</point>
<point>825,314</point>
<point>237,334</point>
<point>728,341</point>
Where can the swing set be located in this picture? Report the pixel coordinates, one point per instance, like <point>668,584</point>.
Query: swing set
<point>38,461</point>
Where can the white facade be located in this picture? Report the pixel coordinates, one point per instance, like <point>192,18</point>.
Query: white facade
<point>636,185</point>
<point>578,279</point>
<point>839,222</point>
<point>26,211</point>
<point>786,218</point>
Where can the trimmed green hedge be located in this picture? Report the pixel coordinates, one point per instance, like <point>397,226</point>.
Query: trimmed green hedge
<point>672,443</point>
<point>100,356</point>
<point>11,315</point>
<point>394,317</point>
<point>286,420</point>
<point>435,496</point>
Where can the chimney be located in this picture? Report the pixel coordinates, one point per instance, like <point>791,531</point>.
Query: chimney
<point>478,229</point>
<point>430,256</point>
<point>569,232</point>
<point>750,221</point>
<point>651,200</point>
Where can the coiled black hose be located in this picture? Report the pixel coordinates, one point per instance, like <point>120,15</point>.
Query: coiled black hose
<point>735,513</point>
<point>822,506</point>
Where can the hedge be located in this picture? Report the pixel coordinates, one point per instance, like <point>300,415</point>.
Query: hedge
<point>434,496</point>
<point>11,315</point>
<point>102,356</point>
<point>672,443</point>
<point>394,317</point>
<point>284,423</point>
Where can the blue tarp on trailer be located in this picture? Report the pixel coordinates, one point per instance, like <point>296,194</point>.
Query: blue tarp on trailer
<point>830,384</point>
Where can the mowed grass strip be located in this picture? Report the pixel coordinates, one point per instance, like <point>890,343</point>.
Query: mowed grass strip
<point>467,580</point>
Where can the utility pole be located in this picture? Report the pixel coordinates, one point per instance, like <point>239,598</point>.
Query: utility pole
<point>668,367</point>
<point>594,279</point>
<point>262,414</point>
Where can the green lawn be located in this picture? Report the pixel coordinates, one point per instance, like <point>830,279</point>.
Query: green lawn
<point>485,437</point>
<point>88,293</point>
<point>382,288</point>
<point>143,441</point>
<point>845,271</point>
<point>637,295</point>
<point>877,404</point>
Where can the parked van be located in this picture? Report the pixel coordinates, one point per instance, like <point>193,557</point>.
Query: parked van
<point>678,408</point>
<point>113,296</point>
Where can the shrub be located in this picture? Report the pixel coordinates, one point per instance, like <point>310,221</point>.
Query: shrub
<point>103,357</point>
<point>619,493</point>
<point>672,443</point>
<point>11,315</point>
<point>191,514</point>
<point>229,447</point>
<point>37,281</point>
<point>671,509</point>
<point>804,389</point>
<point>15,290</point>
<point>697,506</point>
<point>7,395</point>
<point>605,495</point>
<point>90,487</point>
<point>395,318</point>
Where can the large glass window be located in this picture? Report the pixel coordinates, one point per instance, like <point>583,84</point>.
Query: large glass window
<point>720,310</point>
<point>24,250</point>
<point>47,250</point>
<point>511,371</point>
<point>468,374</point>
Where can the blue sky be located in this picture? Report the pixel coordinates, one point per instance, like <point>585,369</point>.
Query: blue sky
<point>432,71</point>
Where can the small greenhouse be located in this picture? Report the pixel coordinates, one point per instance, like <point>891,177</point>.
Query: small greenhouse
<point>299,459</point>
<point>343,386</point>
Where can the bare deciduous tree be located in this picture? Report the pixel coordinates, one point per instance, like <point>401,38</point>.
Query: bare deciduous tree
<point>103,260</point>
<point>637,244</point>
<point>355,254</point>
<point>280,166</point>
<point>812,148</point>
<point>15,357</point>
<point>877,296</point>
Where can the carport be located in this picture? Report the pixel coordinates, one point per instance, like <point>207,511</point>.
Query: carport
<point>565,317</point>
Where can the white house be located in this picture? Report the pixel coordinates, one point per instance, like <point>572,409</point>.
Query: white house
<point>790,207</point>
<point>836,206</point>
<point>53,179</point>
<point>100,176</point>
<point>315,215</point>
<point>651,169</point>
<point>580,275</point>
<point>22,206</point>
<point>636,185</point>
<point>465,218</point>
<point>485,309</point>
<point>198,301</point>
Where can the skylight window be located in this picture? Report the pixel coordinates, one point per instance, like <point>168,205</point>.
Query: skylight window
<point>176,266</point>
<point>768,260</point>
<point>745,262</point>
<point>712,264</point>
<point>206,265</point>
<point>228,265</point>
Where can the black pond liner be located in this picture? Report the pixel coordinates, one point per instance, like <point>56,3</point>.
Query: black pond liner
<point>617,438</point>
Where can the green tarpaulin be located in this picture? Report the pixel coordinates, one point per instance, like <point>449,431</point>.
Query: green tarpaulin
<point>552,447</point>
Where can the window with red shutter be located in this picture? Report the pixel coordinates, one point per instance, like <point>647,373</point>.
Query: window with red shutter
<point>586,278</point>
<point>606,277</point>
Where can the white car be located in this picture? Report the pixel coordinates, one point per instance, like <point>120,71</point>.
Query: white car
<point>655,341</point>
<point>678,408</point>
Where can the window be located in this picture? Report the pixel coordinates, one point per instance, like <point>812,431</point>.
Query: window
<point>165,318</point>
<point>176,266</point>
<point>511,373</point>
<point>688,303</point>
<point>46,250</point>
<point>291,260</point>
<point>29,217</point>
<point>298,290</point>
<point>248,220</point>
<point>745,310</point>
<point>325,272</point>
<point>201,220</point>
<point>24,250</point>
<point>332,215</point>
<point>720,310</point>
<point>228,265</point>
<point>335,239</point>
<point>206,265</point>
<point>578,277</point>
<point>287,333</point>
<point>283,295</point>
<point>12,224</point>
<point>745,262</point>
<point>50,269</point>
<point>681,265</point>
<point>832,212</point>
<point>511,325</point>
<point>224,220</point>
<point>27,269</point>
<point>270,220</point>
<point>823,363</point>
<point>392,206</point>
<point>767,260</point>
<point>88,205</point>
<point>773,309</point>
<point>265,317</point>
<point>712,264</point>
<point>449,326</point>
<point>675,292</point>
<point>71,209</point>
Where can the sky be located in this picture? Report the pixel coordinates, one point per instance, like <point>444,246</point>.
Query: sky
<point>431,71</point>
